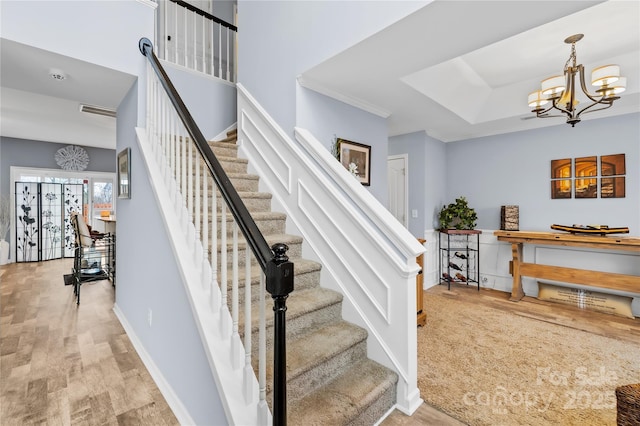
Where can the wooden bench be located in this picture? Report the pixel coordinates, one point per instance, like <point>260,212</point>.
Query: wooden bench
<point>613,281</point>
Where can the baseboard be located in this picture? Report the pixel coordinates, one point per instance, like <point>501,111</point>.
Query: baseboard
<point>165,388</point>
<point>223,134</point>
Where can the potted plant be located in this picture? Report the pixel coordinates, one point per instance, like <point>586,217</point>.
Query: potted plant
<point>458,215</point>
<point>5,223</point>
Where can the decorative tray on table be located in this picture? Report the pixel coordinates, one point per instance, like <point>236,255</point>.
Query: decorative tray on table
<point>591,229</point>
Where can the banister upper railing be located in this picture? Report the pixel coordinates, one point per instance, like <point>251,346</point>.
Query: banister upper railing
<point>273,261</point>
<point>255,239</point>
<point>205,14</point>
<point>196,39</point>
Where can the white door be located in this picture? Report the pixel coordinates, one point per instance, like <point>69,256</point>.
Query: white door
<point>397,186</point>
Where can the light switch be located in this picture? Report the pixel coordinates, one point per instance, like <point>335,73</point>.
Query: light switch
<point>414,213</point>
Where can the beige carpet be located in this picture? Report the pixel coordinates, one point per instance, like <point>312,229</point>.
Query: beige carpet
<point>485,366</point>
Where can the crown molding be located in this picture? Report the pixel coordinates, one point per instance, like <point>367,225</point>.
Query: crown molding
<point>349,100</point>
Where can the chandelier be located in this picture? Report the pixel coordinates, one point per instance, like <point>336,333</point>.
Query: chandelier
<point>560,90</point>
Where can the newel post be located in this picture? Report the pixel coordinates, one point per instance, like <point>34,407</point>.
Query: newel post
<point>279,284</point>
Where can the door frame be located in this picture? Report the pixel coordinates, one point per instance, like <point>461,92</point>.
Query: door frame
<point>405,158</point>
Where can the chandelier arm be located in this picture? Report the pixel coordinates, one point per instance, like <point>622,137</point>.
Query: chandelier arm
<point>603,105</point>
<point>599,99</point>
<point>558,107</point>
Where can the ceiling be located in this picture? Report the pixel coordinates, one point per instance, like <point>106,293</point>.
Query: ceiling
<point>463,69</point>
<point>455,69</point>
<point>35,106</point>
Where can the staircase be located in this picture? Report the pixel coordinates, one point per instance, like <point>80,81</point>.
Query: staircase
<point>330,380</point>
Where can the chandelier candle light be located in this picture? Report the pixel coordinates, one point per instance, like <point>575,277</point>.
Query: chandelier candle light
<point>561,89</point>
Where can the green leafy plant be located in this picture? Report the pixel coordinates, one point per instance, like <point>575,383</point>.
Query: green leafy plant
<point>458,215</point>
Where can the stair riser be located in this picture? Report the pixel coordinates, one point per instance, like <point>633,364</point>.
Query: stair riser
<point>302,281</point>
<point>376,410</point>
<point>254,204</point>
<point>242,183</point>
<point>229,166</point>
<point>234,167</point>
<point>321,373</point>
<point>296,326</point>
<point>295,251</point>
<point>224,150</point>
<point>266,226</point>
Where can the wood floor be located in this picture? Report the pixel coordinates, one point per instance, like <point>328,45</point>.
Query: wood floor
<point>63,364</point>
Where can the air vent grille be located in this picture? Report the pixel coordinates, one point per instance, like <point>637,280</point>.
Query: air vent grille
<point>92,109</point>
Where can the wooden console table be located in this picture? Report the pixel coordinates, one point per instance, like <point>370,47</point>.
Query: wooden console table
<point>622,282</point>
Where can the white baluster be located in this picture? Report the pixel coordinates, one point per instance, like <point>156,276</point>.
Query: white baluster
<point>195,43</point>
<point>248,373</point>
<point>184,14</point>
<point>190,178</point>
<point>215,303</point>
<point>198,163</point>
<point>203,41</point>
<point>183,190</point>
<point>236,345</point>
<point>219,50</point>
<point>212,49</point>
<point>205,226</point>
<point>263,408</point>
<point>224,311</point>
<point>165,9</point>
<point>228,47</point>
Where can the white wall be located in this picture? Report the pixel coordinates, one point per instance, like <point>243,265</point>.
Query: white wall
<point>101,32</point>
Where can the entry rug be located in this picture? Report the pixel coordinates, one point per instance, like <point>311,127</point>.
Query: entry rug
<point>485,366</point>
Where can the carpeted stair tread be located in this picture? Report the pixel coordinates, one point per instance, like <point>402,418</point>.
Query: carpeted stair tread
<point>320,356</point>
<point>302,268</point>
<point>330,380</point>
<point>299,303</point>
<point>351,398</point>
<point>257,216</point>
<point>287,239</point>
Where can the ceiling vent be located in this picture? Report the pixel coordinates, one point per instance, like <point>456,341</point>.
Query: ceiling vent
<point>91,109</point>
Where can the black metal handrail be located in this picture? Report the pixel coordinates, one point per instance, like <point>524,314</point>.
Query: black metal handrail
<point>273,260</point>
<point>205,14</point>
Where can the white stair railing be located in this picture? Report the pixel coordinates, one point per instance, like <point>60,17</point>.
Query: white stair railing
<point>193,198</point>
<point>367,255</point>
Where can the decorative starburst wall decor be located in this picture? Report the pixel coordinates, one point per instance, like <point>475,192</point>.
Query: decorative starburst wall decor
<point>72,157</point>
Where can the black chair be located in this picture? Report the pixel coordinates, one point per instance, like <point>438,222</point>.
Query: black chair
<point>94,257</point>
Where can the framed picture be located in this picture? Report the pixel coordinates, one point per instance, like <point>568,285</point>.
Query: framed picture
<point>356,158</point>
<point>585,172</point>
<point>124,173</point>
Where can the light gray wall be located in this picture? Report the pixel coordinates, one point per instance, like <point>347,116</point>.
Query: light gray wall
<point>325,117</point>
<point>515,168</point>
<point>413,144</point>
<point>223,9</point>
<point>148,278</point>
<point>279,40</point>
<point>427,178</point>
<point>211,102</point>
<point>29,153</point>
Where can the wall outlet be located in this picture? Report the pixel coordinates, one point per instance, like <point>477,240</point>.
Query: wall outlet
<point>149,316</point>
